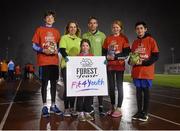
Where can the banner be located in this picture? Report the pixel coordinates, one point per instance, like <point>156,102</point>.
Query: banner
<point>86,76</point>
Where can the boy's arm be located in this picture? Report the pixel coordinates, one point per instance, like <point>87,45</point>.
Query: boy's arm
<point>154,54</point>
<point>37,48</point>
<point>154,57</point>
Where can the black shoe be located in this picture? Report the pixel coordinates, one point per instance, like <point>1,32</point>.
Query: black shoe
<point>101,111</point>
<point>92,112</point>
<point>136,116</point>
<point>143,117</point>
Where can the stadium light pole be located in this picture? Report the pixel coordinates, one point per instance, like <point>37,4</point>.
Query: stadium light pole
<point>172,54</point>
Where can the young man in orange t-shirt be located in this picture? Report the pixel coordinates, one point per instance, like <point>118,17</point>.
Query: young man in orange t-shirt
<point>45,44</point>
<point>143,69</point>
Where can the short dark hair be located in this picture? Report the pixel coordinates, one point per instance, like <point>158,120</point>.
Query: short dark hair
<point>50,12</point>
<point>141,23</point>
<point>92,17</point>
<point>85,40</point>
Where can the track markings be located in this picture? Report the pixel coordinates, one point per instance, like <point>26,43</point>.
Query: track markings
<point>9,108</point>
<point>176,106</point>
<point>158,117</point>
<point>94,125</point>
<point>6,103</point>
<point>155,94</point>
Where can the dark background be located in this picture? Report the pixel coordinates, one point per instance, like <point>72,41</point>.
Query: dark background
<point>22,17</point>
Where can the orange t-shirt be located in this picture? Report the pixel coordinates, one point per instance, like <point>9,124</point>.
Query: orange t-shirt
<point>47,37</point>
<point>144,47</point>
<point>4,67</point>
<point>116,43</point>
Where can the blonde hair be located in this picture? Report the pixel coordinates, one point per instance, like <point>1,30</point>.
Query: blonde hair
<point>118,22</point>
<point>78,32</point>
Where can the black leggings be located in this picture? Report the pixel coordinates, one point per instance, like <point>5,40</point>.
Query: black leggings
<point>142,96</point>
<point>11,74</point>
<point>115,78</point>
<point>52,90</point>
<point>100,100</point>
<point>67,100</point>
<point>84,104</point>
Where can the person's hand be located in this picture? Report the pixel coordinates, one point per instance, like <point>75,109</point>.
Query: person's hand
<point>66,59</point>
<point>117,52</point>
<point>46,51</point>
<point>110,57</point>
<point>55,52</point>
<point>130,63</point>
<point>105,62</point>
<point>139,62</point>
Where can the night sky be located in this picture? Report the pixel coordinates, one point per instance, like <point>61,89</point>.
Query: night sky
<point>22,17</point>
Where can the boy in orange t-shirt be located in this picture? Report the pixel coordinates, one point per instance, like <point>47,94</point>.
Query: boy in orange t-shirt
<point>143,70</point>
<point>45,41</point>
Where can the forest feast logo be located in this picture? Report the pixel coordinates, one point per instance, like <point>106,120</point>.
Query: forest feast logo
<point>87,76</point>
<point>87,71</point>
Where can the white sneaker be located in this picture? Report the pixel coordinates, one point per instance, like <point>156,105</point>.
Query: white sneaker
<point>81,116</point>
<point>60,82</point>
<point>67,113</point>
<point>88,116</point>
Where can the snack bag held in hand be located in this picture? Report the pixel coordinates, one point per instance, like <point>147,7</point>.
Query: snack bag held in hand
<point>134,58</point>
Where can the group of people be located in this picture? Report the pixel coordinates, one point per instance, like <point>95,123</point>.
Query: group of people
<point>8,70</point>
<point>11,71</point>
<point>47,42</point>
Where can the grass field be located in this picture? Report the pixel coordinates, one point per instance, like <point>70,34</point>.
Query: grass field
<point>161,80</point>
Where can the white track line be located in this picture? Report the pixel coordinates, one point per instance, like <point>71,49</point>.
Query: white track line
<point>158,117</point>
<point>9,108</point>
<point>165,96</point>
<point>6,103</point>
<point>94,125</point>
<point>176,106</point>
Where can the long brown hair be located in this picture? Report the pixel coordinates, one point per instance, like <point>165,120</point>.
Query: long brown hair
<point>78,32</point>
